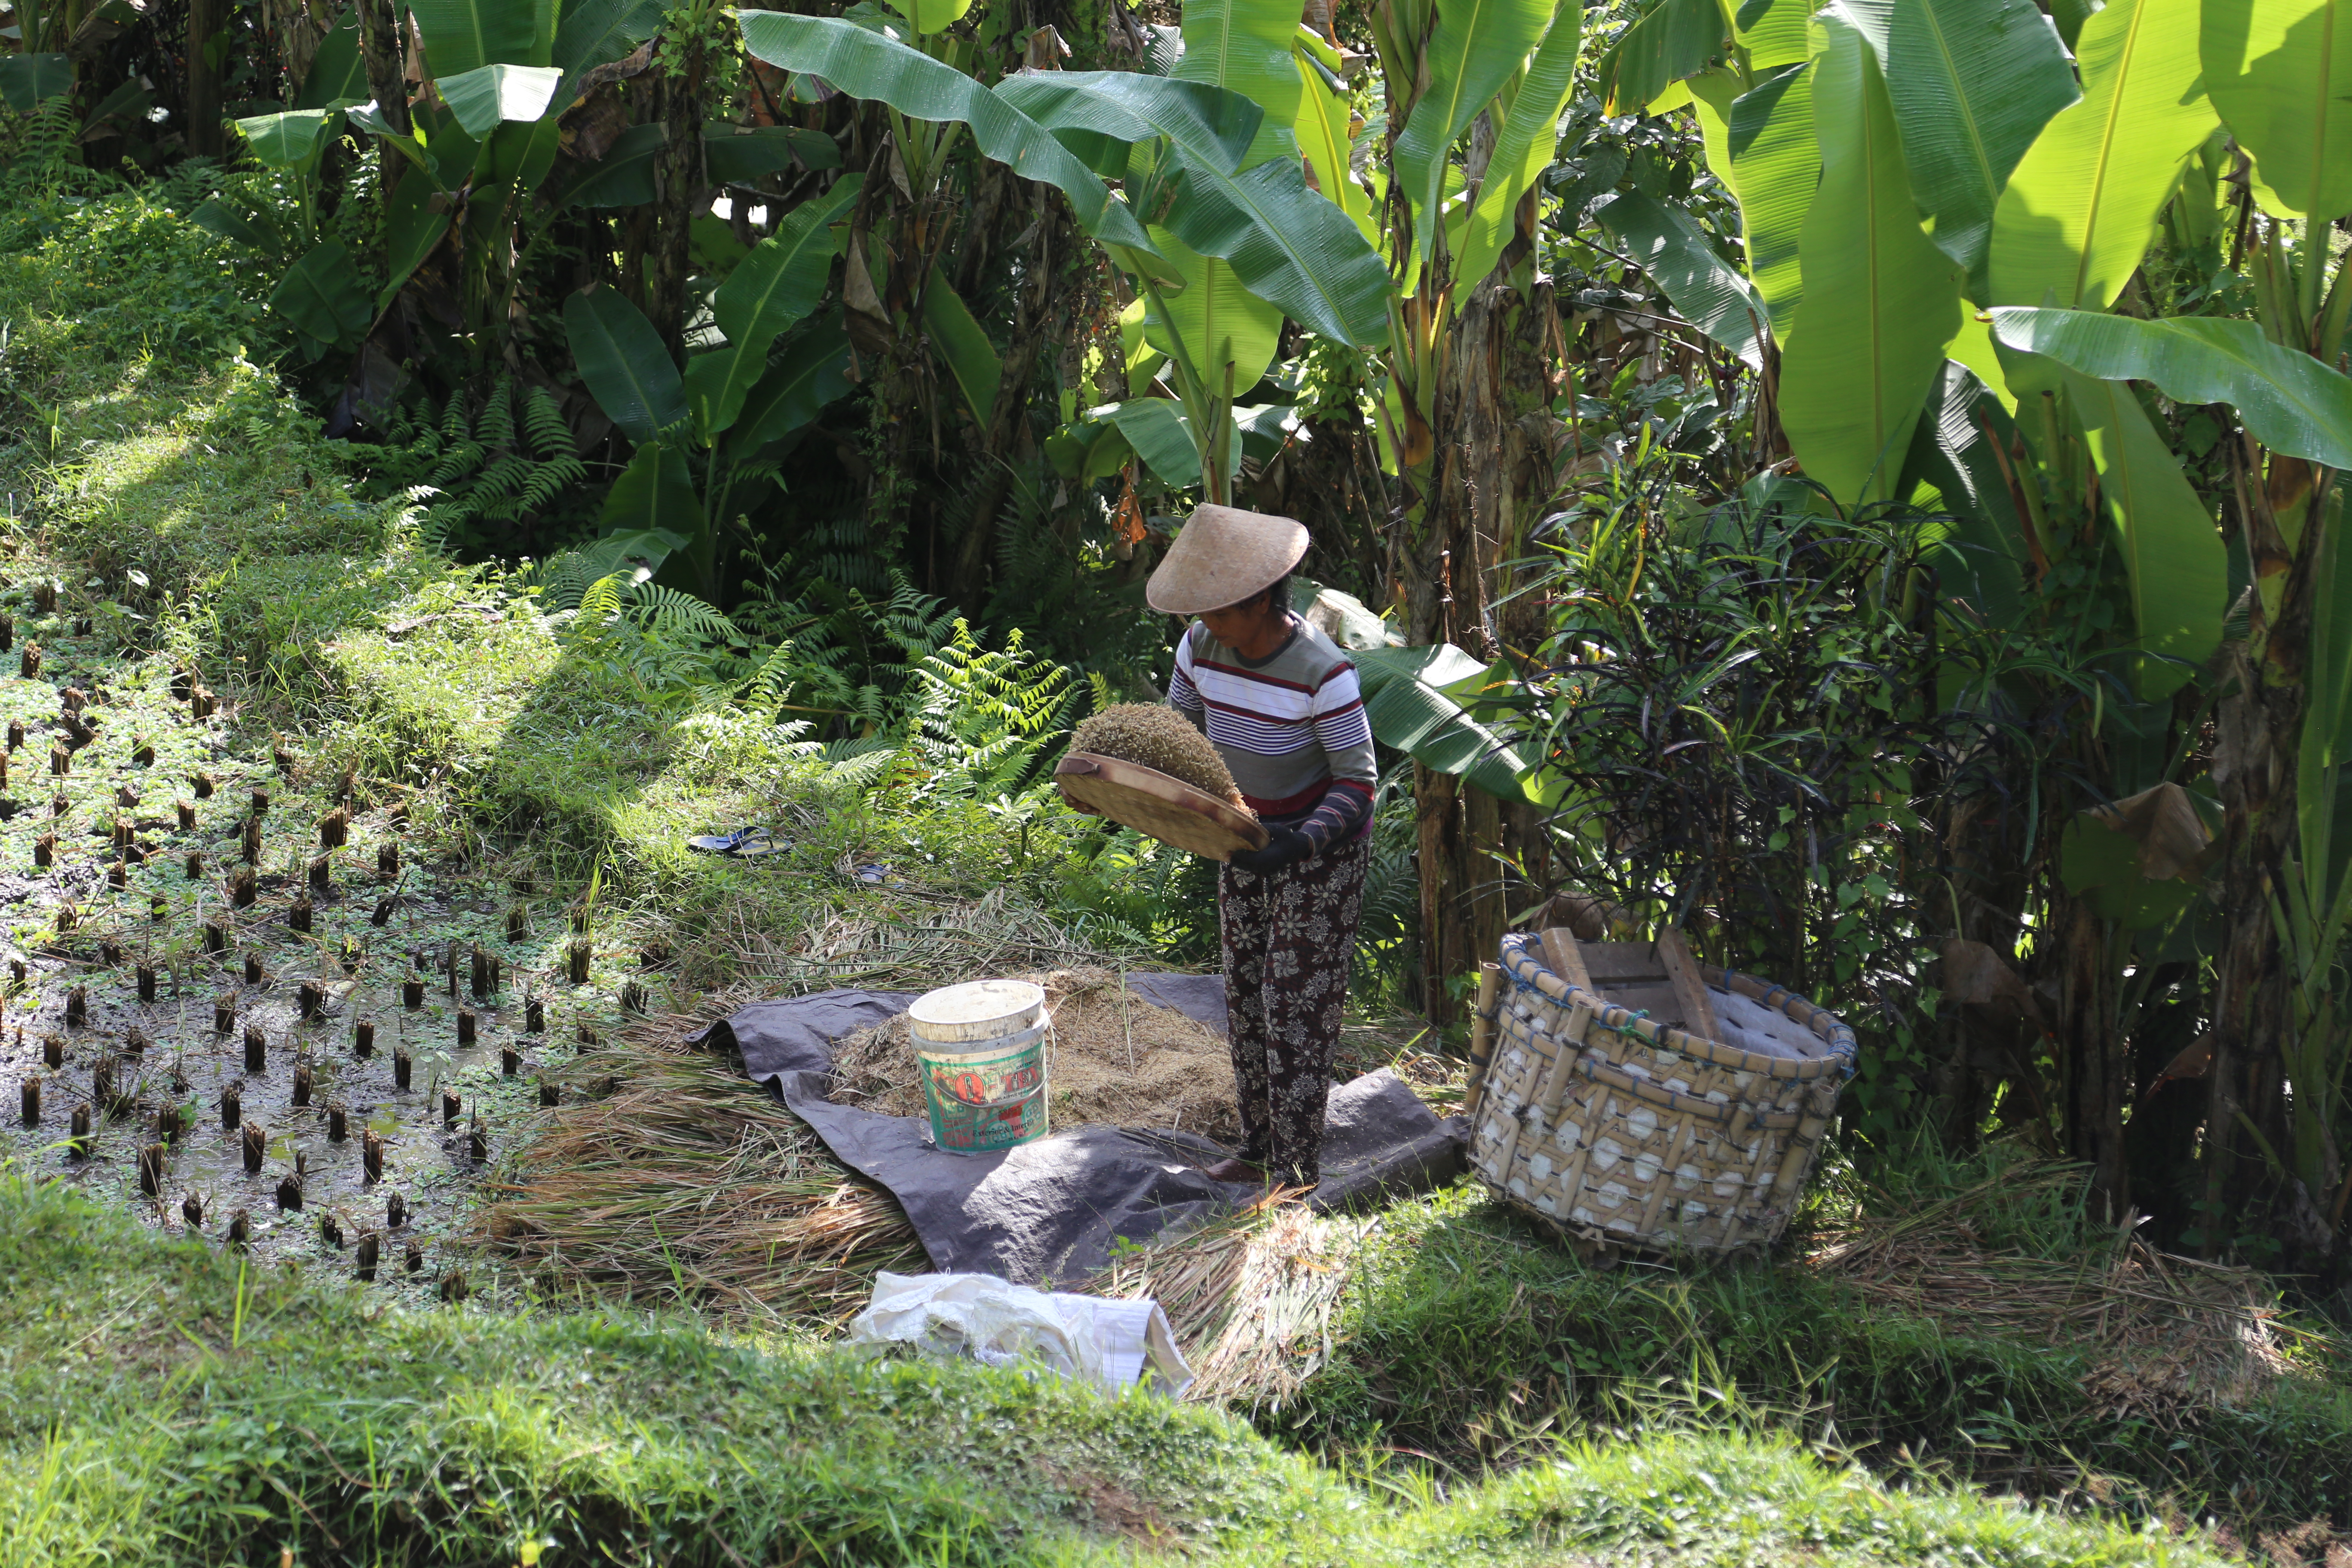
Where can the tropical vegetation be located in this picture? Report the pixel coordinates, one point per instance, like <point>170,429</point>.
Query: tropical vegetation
<point>1857,482</point>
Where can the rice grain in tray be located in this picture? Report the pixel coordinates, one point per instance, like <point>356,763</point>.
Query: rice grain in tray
<point>1112,1057</point>
<point>1163,739</point>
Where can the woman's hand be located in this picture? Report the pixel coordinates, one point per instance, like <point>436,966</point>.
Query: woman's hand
<point>1284,846</point>
<point>1075,804</point>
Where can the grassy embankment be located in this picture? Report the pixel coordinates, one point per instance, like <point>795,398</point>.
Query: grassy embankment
<point>165,1403</point>
<point>140,447</point>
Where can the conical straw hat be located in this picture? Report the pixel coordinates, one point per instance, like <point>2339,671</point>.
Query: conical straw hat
<point>1223,555</point>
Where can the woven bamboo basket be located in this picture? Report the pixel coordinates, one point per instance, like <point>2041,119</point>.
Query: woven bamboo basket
<point>1613,1125</point>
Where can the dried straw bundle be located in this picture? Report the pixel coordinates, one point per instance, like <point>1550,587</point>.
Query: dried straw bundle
<point>1278,1330</point>
<point>1113,1058</point>
<point>687,1181</point>
<point>2168,1335</point>
<point>1250,1298</point>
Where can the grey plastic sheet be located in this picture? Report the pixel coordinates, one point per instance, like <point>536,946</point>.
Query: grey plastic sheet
<point>1054,1211</point>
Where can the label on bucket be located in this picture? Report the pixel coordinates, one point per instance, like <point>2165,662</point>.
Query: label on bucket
<point>964,1129</point>
<point>982,1102</point>
<point>986,1082</point>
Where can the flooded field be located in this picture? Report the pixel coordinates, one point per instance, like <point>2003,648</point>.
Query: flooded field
<point>239,1005</point>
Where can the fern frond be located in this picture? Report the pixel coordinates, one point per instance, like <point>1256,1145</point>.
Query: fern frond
<point>551,438</point>
<point>672,611</point>
<point>496,429</point>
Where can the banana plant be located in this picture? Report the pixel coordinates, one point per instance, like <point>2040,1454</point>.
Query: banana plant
<point>702,434</point>
<point>1448,65</point>
<point>2278,1114</point>
<point>30,75</point>
<point>1942,221</point>
<point>1229,238</point>
<point>477,149</point>
<point>1475,90</point>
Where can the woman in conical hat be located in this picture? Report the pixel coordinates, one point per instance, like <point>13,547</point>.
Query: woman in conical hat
<point>1280,703</point>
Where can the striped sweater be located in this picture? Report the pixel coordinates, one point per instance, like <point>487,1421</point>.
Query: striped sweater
<point>1290,726</point>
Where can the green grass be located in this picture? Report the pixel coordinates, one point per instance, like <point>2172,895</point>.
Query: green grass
<point>163,1403</point>
<point>217,493</point>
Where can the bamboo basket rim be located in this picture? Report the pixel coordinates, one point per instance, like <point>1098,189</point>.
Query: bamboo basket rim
<point>1523,963</point>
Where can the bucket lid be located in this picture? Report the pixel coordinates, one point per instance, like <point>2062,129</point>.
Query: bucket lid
<point>977,1010</point>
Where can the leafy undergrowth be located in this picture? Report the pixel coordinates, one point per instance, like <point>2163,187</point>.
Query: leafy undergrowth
<point>162,1403</point>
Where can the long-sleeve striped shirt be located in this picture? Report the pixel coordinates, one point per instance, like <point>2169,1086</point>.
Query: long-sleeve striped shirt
<point>1291,727</point>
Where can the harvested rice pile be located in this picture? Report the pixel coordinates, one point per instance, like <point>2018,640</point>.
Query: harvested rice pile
<point>679,1180</point>
<point>1160,738</point>
<point>1113,1057</point>
<point>1250,1298</point>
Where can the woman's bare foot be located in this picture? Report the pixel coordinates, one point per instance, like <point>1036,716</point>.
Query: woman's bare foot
<point>1235,1170</point>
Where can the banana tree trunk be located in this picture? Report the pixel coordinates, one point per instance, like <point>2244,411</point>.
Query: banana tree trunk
<point>2247,1130</point>
<point>1039,307</point>
<point>2096,1069</point>
<point>205,17</point>
<point>678,186</point>
<point>378,27</point>
<point>1489,475</point>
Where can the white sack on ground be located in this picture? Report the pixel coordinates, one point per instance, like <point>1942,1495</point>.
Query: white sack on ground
<point>1109,1344</point>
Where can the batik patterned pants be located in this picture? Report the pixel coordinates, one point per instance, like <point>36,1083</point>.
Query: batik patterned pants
<point>1288,937</point>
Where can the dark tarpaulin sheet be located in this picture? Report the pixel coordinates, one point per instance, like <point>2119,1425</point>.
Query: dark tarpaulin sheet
<point>1052,1212</point>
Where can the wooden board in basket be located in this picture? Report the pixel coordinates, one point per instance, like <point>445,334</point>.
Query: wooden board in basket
<point>1599,1114</point>
<point>1156,803</point>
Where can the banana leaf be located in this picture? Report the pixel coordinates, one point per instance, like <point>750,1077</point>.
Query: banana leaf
<point>1973,83</point>
<point>1212,125</point>
<point>867,66</point>
<point>1523,149</point>
<point>972,359</point>
<point>1880,301</point>
<point>654,494</point>
<point>463,36</point>
<point>2290,401</point>
<point>1474,51</point>
<point>322,298</point>
<point>770,289</point>
<point>1413,698</point>
<point>26,81</point>
<point>1679,257</point>
<point>1675,40</point>
<point>624,365</point>
<point>738,154</point>
<point>485,98</point>
<point>338,75</point>
<point>811,371</point>
<point>2081,207</point>
<point>2278,72</point>
<point>1777,167</point>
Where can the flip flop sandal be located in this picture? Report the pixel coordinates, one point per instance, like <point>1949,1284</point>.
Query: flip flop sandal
<point>742,841</point>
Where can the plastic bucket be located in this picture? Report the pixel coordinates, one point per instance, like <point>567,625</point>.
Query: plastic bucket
<point>985,1092</point>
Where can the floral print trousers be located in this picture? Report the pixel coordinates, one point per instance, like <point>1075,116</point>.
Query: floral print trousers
<point>1288,937</point>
